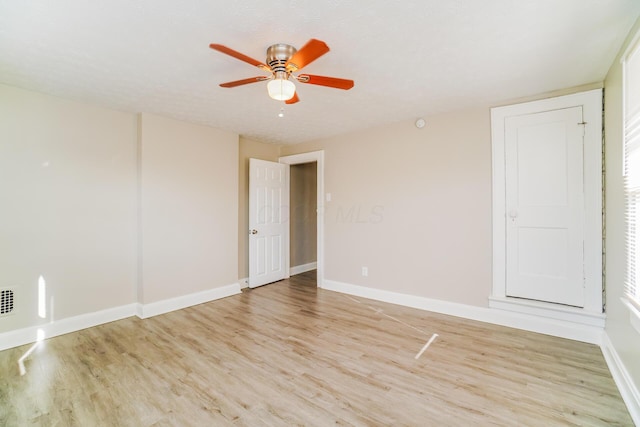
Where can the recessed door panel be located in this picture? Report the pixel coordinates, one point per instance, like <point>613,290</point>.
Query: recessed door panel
<point>542,165</point>
<point>542,252</point>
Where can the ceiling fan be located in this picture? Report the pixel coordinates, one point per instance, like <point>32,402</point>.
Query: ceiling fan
<point>283,60</point>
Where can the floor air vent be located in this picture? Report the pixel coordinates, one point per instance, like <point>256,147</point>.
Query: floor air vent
<point>6,302</point>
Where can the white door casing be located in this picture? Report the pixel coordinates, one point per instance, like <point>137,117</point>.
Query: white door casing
<point>545,206</point>
<point>506,119</point>
<point>268,222</point>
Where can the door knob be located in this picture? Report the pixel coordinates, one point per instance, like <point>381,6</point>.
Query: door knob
<point>253,231</point>
<point>513,213</point>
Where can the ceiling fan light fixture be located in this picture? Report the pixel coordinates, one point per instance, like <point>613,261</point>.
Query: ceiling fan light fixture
<point>282,61</point>
<point>281,89</point>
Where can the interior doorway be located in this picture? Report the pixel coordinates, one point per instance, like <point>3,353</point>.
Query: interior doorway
<point>316,157</point>
<point>303,217</point>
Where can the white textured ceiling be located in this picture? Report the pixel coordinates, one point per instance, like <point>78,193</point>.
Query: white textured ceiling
<point>408,58</point>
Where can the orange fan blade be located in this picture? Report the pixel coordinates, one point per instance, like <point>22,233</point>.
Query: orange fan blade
<point>326,81</point>
<point>244,81</point>
<point>308,53</point>
<point>293,100</point>
<point>240,56</point>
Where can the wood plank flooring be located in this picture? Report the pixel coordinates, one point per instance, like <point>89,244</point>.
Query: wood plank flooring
<point>291,354</point>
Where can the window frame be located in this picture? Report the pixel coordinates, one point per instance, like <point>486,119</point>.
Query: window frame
<point>631,162</point>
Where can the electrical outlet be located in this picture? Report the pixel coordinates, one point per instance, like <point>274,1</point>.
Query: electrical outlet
<point>365,271</point>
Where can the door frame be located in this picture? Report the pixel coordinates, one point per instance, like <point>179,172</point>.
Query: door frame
<point>591,103</point>
<point>296,159</point>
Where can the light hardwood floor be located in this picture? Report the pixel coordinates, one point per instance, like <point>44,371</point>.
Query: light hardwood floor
<point>291,354</point>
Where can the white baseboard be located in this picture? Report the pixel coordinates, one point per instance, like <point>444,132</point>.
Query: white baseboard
<point>628,389</point>
<point>559,328</point>
<point>144,311</point>
<point>552,311</point>
<point>72,324</point>
<point>64,326</point>
<point>298,269</point>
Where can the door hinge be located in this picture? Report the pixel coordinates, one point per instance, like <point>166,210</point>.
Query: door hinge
<point>584,127</point>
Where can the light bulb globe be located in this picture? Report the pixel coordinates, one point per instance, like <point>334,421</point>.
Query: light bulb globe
<point>281,89</point>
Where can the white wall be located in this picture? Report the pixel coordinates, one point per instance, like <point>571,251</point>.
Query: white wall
<point>68,206</point>
<point>189,206</point>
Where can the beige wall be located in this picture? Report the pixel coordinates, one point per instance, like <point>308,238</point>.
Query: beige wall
<point>303,216</point>
<point>68,196</point>
<point>625,339</point>
<point>189,201</point>
<point>412,205</point>
<point>248,148</point>
<point>103,204</point>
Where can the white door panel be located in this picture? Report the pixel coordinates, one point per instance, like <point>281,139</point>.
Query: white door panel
<point>268,221</point>
<point>545,206</point>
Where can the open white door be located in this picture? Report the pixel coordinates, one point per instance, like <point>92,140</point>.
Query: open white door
<point>268,222</point>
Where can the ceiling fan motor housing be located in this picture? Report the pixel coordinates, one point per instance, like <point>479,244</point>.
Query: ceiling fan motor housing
<point>277,57</point>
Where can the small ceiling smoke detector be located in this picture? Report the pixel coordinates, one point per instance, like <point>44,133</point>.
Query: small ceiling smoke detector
<point>420,123</point>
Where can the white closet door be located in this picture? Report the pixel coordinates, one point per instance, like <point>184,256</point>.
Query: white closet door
<point>545,206</point>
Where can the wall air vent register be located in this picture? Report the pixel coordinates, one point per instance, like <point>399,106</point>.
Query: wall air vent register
<point>6,302</point>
